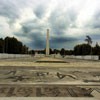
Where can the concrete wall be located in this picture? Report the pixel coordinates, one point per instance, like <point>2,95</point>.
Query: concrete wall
<point>5,56</point>
<point>84,57</point>
<point>56,55</point>
<point>39,55</point>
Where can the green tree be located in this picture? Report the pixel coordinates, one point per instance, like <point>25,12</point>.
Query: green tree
<point>82,49</point>
<point>1,45</point>
<point>96,49</point>
<point>77,50</point>
<point>51,51</point>
<point>62,51</point>
<point>89,42</point>
<point>13,46</point>
<point>55,51</point>
<point>32,52</point>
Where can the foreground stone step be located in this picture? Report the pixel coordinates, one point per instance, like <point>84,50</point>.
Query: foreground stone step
<point>48,91</point>
<point>47,98</point>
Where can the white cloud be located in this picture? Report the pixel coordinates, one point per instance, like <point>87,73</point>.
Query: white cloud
<point>74,18</point>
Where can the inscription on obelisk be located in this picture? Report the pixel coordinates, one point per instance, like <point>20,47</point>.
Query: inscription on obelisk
<point>47,43</point>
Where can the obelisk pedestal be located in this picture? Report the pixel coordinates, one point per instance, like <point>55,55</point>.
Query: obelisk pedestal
<point>47,43</point>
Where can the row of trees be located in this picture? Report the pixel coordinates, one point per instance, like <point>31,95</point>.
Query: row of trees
<point>12,46</point>
<point>55,51</point>
<point>86,49</point>
<point>83,49</point>
<point>80,49</point>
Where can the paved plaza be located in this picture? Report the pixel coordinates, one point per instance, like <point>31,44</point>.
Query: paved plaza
<point>49,77</point>
<point>51,62</point>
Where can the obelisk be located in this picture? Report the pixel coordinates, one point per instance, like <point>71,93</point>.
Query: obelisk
<point>47,43</point>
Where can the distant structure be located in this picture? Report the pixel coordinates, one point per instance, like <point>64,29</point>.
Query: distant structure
<point>47,43</point>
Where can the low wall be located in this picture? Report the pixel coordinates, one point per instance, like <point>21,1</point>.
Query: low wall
<point>84,57</point>
<point>4,56</point>
<point>56,55</point>
<point>39,55</point>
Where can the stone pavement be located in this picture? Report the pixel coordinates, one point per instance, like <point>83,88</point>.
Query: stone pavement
<point>47,98</point>
<point>50,77</point>
<point>34,62</point>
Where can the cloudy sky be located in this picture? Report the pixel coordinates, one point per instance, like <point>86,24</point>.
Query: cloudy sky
<point>69,21</point>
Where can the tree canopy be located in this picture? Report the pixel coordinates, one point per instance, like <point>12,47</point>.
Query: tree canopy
<point>12,46</point>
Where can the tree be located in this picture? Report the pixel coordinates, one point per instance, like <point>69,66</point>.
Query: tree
<point>32,52</point>
<point>82,49</point>
<point>1,45</point>
<point>86,49</point>
<point>24,49</point>
<point>68,52</point>
<point>62,51</point>
<point>51,51</point>
<point>96,49</point>
<point>89,42</point>
<point>77,50</point>
<point>55,51</point>
<point>13,46</point>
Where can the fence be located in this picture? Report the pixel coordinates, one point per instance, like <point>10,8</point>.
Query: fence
<point>5,56</point>
<point>84,57</point>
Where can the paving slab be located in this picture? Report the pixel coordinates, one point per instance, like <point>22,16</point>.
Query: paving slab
<point>46,98</point>
<point>32,62</point>
<point>70,77</point>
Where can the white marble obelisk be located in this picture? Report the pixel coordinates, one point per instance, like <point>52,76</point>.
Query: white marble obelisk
<point>47,43</point>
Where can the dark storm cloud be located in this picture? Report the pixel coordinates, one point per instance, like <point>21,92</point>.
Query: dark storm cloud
<point>94,23</point>
<point>26,29</point>
<point>60,21</point>
<point>58,24</point>
<point>40,11</point>
<point>62,39</point>
<point>95,36</point>
<point>29,26</point>
<point>32,30</point>
<point>38,41</point>
<point>9,9</point>
<point>62,42</point>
